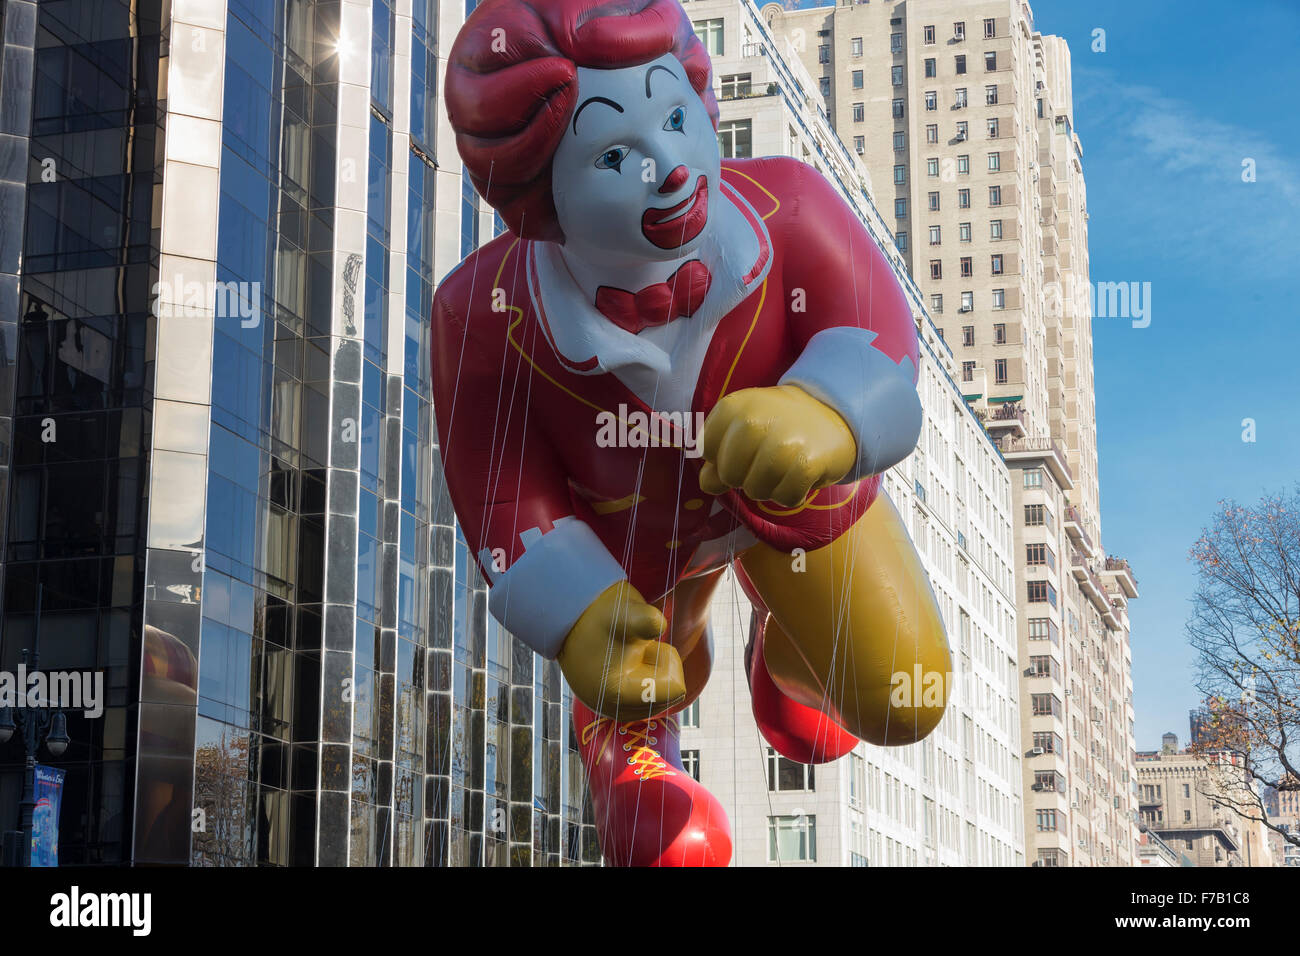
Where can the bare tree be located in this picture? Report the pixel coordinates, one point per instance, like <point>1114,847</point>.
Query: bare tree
<point>1245,626</point>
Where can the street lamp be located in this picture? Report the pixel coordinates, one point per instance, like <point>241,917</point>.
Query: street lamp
<point>33,722</point>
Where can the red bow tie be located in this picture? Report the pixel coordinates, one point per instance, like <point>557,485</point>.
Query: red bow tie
<point>657,304</point>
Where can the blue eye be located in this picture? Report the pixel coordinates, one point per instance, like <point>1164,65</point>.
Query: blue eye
<point>676,120</point>
<point>613,158</point>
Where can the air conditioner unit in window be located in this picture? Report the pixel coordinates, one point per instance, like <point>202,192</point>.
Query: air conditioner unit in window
<point>1037,752</point>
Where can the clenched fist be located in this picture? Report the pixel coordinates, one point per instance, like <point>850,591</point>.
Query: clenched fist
<point>614,661</point>
<point>776,444</point>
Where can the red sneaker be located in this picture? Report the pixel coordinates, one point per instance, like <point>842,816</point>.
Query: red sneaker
<point>649,811</point>
<point>798,732</point>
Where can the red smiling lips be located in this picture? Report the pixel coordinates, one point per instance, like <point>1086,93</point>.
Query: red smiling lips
<point>674,227</point>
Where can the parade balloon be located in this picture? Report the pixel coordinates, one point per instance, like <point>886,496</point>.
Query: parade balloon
<point>670,365</point>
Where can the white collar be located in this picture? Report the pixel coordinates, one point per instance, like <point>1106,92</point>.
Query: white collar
<point>588,343</point>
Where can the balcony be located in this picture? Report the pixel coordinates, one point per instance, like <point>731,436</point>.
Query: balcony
<point>1007,421</point>
<point>1074,527</point>
<point>1044,449</point>
<point>1089,583</point>
<point>1118,568</point>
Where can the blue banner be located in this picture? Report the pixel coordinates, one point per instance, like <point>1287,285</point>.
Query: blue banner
<point>45,818</point>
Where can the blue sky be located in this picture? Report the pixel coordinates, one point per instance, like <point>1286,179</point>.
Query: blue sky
<point>1183,92</point>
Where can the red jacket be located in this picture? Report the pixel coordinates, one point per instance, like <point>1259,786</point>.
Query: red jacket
<point>518,425</point>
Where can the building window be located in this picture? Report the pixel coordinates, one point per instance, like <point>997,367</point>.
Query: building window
<point>931,100</point>
<point>967,371</point>
<point>963,165</point>
<point>860,144</point>
<point>936,269</point>
<point>990,29</point>
<point>1046,820</point>
<point>995,264</point>
<point>785,775</point>
<point>736,139</point>
<point>999,333</point>
<point>1046,741</point>
<point>710,34</point>
<point>927,35</point>
<point>737,84</point>
<point>963,198</point>
<point>963,231</point>
<point>941,334</point>
<point>1037,592</point>
<point>995,229</point>
<point>967,270</point>
<point>860,112</point>
<point>959,30</point>
<point>691,763</point>
<point>934,235</point>
<point>990,61</point>
<point>993,127</point>
<point>968,301</point>
<point>857,79</point>
<point>999,298</point>
<point>1045,705</point>
<point>991,95</point>
<point>934,202</point>
<point>962,130</point>
<point>960,97</point>
<point>824,83</point>
<point>900,139</point>
<point>1036,554</point>
<point>898,109</point>
<point>995,195</point>
<point>968,335</point>
<point>855,46</point>
<point>792,839</point>
<point>896,43</point>
<point>901,241</point>
<point>690,717</point>
<point>931,68</point>
<point>824,53</point>
<point>932,166</point>
<point>1043,629</point>
<point>896,76</point>
<point>900,174</point>
<point>900,208</point>
<point>995,162</point>
<point>959,64</point>
<point>1034,516</point>
<point>932,133</point>
<point>936,302</point>
<point>1000,371</point>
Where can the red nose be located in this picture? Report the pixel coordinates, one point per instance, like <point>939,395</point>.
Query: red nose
<point>675,181</point>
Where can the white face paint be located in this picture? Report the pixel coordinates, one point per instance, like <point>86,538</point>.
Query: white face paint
<point>637,171</point>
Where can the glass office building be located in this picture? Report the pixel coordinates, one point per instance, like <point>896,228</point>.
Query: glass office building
<point>218,232</point>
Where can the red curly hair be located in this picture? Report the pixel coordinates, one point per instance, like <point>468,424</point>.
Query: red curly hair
<point>512,85</point>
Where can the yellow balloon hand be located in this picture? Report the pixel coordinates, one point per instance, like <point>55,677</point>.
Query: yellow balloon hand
<point>614,662</point>
<point>776,444</point>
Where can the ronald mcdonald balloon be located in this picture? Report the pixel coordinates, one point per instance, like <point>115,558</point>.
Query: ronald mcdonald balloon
<point>673,364</point>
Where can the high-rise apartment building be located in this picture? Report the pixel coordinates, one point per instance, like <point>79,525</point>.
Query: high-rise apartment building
<point>963,115</point>
<point>953,799</point>
<point>221,222</point>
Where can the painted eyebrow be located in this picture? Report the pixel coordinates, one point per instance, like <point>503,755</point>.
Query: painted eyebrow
<point>594,99</point>
<point>650,72</point>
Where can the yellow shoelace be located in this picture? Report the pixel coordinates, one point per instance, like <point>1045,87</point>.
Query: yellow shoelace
<point>646,761</point>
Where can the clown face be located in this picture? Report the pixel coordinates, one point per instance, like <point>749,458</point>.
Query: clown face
<point>638,166</point>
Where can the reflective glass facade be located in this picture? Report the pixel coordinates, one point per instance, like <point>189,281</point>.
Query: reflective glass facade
<point>219,298</point>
